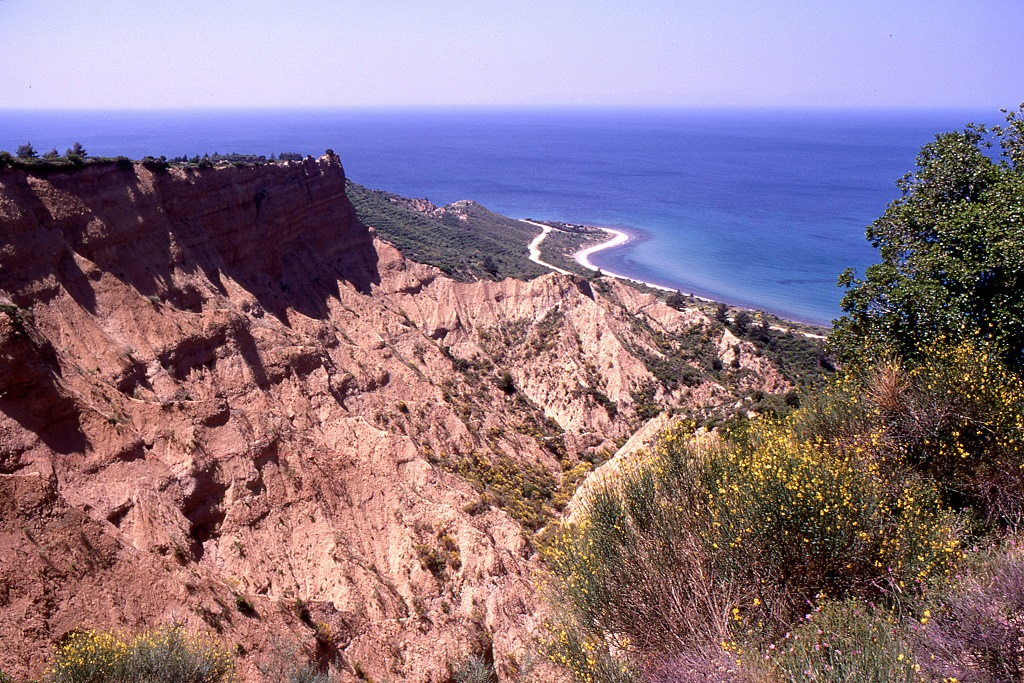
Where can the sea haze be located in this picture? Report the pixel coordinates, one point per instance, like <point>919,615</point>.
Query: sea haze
<point>760,208</point>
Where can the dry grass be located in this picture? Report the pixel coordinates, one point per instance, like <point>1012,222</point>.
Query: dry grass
<point>978,632</point>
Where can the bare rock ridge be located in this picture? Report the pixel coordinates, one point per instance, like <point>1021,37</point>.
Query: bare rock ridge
<point>223,402</point>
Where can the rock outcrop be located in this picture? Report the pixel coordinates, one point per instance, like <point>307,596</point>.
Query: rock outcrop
<point>223,402</point>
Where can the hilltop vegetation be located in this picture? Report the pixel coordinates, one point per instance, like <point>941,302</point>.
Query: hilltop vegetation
<point>870,535</point>
<point>27,157</point>
<point>465,240</point>
<point>952,252</point>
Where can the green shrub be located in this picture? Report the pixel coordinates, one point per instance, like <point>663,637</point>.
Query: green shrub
<point>5,677</point>
<point>307,673</point>
<point>27,151</point>
<point>165,655</point>
<point>951,253</point>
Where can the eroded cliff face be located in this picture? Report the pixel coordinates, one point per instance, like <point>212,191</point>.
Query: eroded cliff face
<point>222,402</point>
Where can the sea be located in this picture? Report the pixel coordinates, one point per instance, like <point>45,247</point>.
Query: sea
<point>760,208</point>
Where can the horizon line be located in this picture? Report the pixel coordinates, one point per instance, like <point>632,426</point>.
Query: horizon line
<point>511,107</point>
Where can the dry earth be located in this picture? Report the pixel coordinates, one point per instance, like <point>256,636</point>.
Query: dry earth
<point>223,402</point>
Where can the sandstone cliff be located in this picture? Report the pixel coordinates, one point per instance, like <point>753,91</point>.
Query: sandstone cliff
<point>223,402</point>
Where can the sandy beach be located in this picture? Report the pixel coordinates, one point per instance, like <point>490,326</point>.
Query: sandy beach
<point>616,238</point>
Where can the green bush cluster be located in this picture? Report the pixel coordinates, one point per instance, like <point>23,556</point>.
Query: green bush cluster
<point>526,491</point>
<point>28,158</point>
<point>474,670</point>
<point>952,253</point>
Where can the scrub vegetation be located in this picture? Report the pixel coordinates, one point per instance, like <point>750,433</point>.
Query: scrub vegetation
<point>465,240</point>
<point>166,655</point>
<point>872,534</point>
<point>867,530</point>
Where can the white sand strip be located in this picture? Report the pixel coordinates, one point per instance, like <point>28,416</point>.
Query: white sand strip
<point>535,247</point>
<point>618,238</point>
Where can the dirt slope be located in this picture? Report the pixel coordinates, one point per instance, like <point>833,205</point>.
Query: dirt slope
<point>223,402</point>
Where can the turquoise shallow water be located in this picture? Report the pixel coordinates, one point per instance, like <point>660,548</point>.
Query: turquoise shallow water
<point>761,208</point>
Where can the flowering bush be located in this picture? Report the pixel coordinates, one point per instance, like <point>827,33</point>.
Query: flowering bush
<point>959,418</point>
<point>794,519</point>
<point>165,655</point>
<point>709,542</point>
<point>860,497</point>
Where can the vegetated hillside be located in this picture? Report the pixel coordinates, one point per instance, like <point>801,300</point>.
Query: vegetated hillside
<point>223,403</point>
<point>465,240</point>
<point>871,535</point>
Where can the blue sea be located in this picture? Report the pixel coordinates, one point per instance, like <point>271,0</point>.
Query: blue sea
<point>758,208</point>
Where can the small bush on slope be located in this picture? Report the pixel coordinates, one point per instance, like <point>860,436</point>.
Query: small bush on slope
<point>165,655</point>
<point>847,641</point>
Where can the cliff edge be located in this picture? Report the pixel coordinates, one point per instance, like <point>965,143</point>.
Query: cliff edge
<point>223,402</point>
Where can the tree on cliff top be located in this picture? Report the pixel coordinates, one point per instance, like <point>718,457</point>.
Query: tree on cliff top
<point>76,150</point>
<point>952,253</point>
<point>27,151</point>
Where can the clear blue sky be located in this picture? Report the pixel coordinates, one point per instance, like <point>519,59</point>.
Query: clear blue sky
<point>312,53</point>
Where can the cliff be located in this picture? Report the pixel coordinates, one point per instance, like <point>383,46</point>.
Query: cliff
<point>223,402</point>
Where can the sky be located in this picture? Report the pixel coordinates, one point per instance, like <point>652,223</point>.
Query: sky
<point>116,54</point>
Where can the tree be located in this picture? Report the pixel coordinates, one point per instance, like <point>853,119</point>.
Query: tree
<point>676,301</point>
<point>741,322</point>
<point>952,253</point>
<point>76,150</point>
<point>27,151</point>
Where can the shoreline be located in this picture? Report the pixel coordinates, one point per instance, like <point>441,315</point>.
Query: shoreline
<point>618,238</point>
